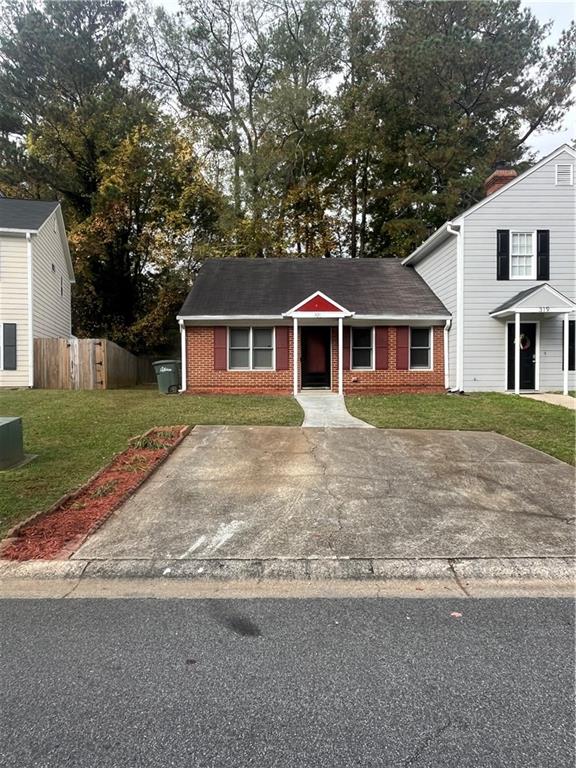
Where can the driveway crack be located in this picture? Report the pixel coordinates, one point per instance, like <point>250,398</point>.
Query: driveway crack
<point>457,579</point>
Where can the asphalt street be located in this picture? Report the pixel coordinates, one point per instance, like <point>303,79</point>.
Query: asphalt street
<point>305,682</point>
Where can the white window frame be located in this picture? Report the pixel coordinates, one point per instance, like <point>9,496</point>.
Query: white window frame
<point>533,272</point>
<point>569,165</point>
<point>430,347</point>
<point>251,329</point>
<point>370,367</point>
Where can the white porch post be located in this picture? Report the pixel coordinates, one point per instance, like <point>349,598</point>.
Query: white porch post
<point>565,351</point>
<point>340,355</point>
<point>517,353</point>
<point>295,365</point>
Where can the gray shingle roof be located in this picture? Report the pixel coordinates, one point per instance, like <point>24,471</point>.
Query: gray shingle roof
<point>273,286</point>
<point>24,214</point>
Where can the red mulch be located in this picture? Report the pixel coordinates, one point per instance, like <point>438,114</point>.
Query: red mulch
<point>62,530</point>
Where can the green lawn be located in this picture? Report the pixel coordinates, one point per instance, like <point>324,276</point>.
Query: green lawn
<point>74,433</point>
<point>549,428</point>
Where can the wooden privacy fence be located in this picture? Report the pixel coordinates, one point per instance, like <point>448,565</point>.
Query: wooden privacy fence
<point>86,364</point>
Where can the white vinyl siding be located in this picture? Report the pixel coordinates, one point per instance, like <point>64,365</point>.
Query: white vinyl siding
<point>438,269</point>
<point>51,286</point>
<point>535,202</point>
<point>14,303</point>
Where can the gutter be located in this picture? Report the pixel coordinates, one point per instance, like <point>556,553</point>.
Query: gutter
<point>447,327</point>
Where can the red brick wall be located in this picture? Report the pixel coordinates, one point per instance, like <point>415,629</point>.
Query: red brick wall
<point>391,381</point>
<point>203,379</point>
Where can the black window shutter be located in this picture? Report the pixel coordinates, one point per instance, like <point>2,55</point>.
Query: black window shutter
<point>571,345</point>
<point>9,346</point>
<point>503,254</point>
<point>543,254</point>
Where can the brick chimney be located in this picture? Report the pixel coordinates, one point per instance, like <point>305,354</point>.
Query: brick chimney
<point>501,175</point>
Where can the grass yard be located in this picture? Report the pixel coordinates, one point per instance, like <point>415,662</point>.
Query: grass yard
<point>74,433</point>
<point>548,428</point>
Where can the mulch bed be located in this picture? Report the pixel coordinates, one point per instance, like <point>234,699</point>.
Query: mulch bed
<point>59,531</point>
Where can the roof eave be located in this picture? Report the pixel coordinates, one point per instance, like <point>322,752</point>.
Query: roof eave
<point>430,244</point>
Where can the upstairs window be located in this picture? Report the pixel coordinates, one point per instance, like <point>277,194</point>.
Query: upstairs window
<point>522,256</point>
<point>420,349</point>
<point>251,349</point>
<point>362,354</point>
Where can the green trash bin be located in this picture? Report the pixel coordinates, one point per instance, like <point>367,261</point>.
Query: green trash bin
<point>168,376</point>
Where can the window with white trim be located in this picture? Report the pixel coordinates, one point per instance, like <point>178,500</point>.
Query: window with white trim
<point>420,349</point>
<point>522,256</point>
<point>251,349</point>
<point>362,351</point>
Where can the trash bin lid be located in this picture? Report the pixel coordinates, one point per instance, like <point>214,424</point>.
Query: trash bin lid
<point>166,362</point>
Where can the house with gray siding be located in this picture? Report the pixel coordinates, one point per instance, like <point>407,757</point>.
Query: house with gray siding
<point>35,284</point>
<point>506,271</point>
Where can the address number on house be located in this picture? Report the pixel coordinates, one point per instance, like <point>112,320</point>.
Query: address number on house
<point>544,309</point>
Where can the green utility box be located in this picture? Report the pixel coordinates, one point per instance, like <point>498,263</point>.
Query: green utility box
<point>168,376</point>
<point>11,442</point>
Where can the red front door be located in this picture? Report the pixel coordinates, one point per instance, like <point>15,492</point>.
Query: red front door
<point>315,358</point>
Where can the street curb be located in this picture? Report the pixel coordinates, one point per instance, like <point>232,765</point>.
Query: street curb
<point>460,570</point>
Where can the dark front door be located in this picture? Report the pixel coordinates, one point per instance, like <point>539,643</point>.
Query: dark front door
<point>315,358</point>
<point>527,355</point>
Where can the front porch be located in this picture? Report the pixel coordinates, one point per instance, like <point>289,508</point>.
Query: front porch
<point>526,317</point>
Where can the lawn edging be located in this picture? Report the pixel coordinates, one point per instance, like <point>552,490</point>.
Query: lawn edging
<point>16,539</point>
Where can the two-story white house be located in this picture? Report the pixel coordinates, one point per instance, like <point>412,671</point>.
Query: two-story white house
<point>35,284</point>
<point>506,271</point>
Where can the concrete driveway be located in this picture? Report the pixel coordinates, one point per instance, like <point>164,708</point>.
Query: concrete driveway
<point>284,492</point>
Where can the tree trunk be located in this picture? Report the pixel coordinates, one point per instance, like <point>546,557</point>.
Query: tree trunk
<point>354,211</point>
<point>364,201</point>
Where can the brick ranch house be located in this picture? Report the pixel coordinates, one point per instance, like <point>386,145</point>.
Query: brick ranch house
<point>353,326</point>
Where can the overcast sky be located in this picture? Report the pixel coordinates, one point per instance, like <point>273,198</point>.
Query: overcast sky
<point>561,13</point>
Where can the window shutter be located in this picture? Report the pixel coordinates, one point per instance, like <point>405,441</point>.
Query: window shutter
<point>9,346</point>
<point>503,254</point>
<point>346,348</point>
<point>282,348</point>
<point>571,345</point>
<point>220,348</point>
<point>543,254</point>
<point>381,334</point>
<point>402,343</point>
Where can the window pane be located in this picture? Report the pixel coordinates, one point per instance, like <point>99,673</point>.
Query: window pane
<point>239,337</point>
<point>419,358</point>
<point>420,337</point>
<point>361,358</point>
<point>262,358</point>
<point>239,358</point>
<point>521,244</point>
<point>362,337</point>
<point>262,337</point>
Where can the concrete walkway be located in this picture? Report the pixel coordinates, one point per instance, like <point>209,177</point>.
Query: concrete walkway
<point>325,409</point>
<point>566,401</point>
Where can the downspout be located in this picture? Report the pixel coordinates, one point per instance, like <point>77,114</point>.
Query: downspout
<point>459,232</point>
<point>30,312</point>
<point>447,327</point>
<point>183,354</point>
